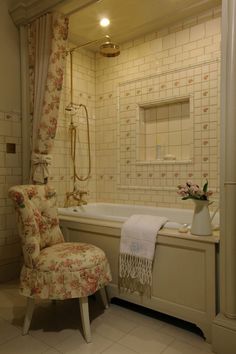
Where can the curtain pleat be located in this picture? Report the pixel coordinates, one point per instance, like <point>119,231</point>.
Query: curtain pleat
<point>43,41</point>
<point>47,38</point>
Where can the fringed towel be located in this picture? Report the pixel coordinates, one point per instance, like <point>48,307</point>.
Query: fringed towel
<point>137,247</point>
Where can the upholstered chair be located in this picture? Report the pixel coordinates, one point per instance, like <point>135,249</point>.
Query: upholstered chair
<point>55,269</point>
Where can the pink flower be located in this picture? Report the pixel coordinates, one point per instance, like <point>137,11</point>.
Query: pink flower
<point>189,190</point>
<point>19,199</point>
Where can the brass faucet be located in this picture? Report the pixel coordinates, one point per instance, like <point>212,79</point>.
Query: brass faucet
<point>75,198</point>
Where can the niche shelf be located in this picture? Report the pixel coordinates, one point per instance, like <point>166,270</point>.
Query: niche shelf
<point>165,132</point>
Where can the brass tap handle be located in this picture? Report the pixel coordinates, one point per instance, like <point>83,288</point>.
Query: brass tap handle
<point>77,196</point>
<point>81,193</point>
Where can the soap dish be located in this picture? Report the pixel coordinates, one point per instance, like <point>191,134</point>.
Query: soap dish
<point>170,157</point>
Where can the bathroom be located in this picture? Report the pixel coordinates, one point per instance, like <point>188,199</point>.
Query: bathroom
<point>135,159</point>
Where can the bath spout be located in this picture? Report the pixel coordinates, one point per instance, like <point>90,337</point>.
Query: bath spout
<point>75,198</point>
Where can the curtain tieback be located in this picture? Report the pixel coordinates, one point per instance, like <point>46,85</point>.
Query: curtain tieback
<point>41,163</point>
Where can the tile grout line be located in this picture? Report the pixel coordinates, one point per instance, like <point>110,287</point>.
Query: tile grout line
<point>10,339</point>
<point>169,345</point>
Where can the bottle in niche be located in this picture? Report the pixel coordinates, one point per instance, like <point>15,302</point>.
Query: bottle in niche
<point>159,152</point>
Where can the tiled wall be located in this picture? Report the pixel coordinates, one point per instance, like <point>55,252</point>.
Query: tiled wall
<point>83,92</point>
<point>10,133</point>
<point>183,60</point>
<point>164,131</point>
<point>10,174</point>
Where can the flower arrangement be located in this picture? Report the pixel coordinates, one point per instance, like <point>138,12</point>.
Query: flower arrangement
<point>189,190</point>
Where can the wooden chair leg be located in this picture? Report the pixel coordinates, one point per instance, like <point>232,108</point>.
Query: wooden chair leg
<point>84,312</point>
<point>28,315</point>
<point>103,295</point>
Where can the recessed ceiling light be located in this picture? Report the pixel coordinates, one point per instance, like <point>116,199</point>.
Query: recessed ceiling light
<point>104,22</point>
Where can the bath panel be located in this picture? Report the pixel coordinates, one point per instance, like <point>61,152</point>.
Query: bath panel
<point>184,268</point>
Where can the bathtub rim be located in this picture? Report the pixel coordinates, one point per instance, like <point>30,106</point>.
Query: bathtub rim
<point>78,222</point>
<point>116,222</point>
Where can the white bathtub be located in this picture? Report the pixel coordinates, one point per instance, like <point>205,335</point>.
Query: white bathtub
<point>184,270</point>
<point>120,213</point>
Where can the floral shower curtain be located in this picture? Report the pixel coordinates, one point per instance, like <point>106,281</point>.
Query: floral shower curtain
<point>47,38</point>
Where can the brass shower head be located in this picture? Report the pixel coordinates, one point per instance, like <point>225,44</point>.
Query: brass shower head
<point>109,49</point>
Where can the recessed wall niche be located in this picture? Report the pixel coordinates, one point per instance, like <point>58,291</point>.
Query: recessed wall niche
<point>165,131</point>
<point>199,86</point>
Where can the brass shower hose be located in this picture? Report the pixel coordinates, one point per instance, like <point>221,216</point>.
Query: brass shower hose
<point>73,132</point>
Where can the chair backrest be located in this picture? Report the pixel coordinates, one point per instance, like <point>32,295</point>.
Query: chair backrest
<point>38,221</point>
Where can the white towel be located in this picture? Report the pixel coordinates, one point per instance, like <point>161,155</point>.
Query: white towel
<point>137,247</point>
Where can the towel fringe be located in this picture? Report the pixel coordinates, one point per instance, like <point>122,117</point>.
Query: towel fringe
<point>135,273</point>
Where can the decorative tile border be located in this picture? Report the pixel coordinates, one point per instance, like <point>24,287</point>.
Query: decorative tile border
<point>148,90</point>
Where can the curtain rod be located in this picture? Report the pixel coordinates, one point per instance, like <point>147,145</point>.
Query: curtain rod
<point>87,43</point>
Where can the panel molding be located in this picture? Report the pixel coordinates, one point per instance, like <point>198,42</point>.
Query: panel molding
<point>24,11</point>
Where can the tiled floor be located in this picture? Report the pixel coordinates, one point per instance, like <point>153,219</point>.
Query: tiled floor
<point>56,329</point>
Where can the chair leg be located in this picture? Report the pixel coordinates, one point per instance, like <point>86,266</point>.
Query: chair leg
<point>28,315</point>
<point>84,312</point>
<point>103,295</point>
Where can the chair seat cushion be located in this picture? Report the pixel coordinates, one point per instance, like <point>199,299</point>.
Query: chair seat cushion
<point>66,270</point>
<point>72,256</point>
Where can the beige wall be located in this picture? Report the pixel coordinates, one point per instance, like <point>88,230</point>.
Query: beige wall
<point>10,132</point>
<point>183,60</point>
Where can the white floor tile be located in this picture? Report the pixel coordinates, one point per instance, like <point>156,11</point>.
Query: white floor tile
<point>52,338</point>
<point>178,347</point>
<point>112,325</point>
<point>138,318</point>
<point>146,340</point>
<point>52,351</point>
<point>23,345</point>
<point>7,331</point>
<point>56,329</point>
<point>76,344</point>
<point>107,329</point>
<point>118,349</point>
<point>186,336</point>
<point>12,307</point>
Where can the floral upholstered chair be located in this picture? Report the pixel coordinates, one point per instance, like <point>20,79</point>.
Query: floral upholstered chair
<point>54,269</point>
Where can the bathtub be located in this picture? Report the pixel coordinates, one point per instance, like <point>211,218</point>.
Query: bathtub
<point>120,213</point>
<point>184,267</point>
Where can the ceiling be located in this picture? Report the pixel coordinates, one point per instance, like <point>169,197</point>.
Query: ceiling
<point>131,18</point>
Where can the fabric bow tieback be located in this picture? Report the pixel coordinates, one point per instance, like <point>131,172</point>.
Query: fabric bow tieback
<point>40,163</point>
